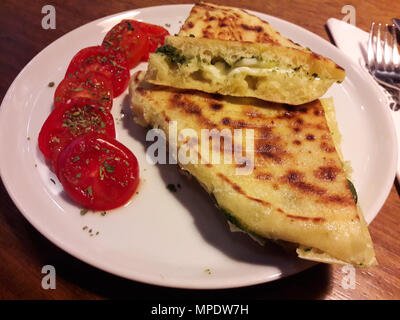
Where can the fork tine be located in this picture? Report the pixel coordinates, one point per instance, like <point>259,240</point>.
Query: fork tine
<point>395,53</point>
<point>379,50</point>
<point>371,50</point>
<point>387,50</point>
<point>383,56</point>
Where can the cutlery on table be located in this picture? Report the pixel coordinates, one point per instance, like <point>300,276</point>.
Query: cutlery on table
<point>396,22</point>
<point>383,60</point>
<point>354,42</point>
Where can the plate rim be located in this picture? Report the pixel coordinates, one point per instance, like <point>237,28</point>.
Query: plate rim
<point>163,282</point>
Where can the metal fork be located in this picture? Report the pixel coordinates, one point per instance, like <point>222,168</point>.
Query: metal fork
<point>384,60</point>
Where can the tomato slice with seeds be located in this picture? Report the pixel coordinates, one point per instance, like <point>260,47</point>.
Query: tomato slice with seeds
<point>77,117</point>
<point>128,37</point>
<point>98,172</point>
<point>110,63</point>
<point>156,35</point>
<point>91,85</point>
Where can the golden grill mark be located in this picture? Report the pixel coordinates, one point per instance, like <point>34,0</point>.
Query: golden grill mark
<point>253,114</point>
<point>216,106</point>
<point>267,145</point>
<point>346,200</point>
<point>252,28</point>
<point>181,102</point>
<point>243,164</point>
<point>234,123</point>
<point>239,124</point>
<point>310,137</point>
<point>226,121</point>
<point>190,107</point>
<point>264,38</point>
<point>315,220</point>
<point>297,142</point>
<point>308,188</point>
<point>298,124</point>
<point>287,115</point>
<point>240,190</point>
<point>207,34</point>
<point>292,176</point>
<point>267,134</point>
<point>319,112</point>
<point>270,151</point>
<point>327,173</point>
<point>327,147</point>
<point>322,126</point>
<point>303,218</point>
<point>295,180</point>
<point>336,198</point>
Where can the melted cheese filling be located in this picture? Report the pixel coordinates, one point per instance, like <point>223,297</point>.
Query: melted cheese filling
<point>244,67</point>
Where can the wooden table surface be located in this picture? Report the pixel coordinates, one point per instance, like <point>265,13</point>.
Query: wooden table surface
<point>23,250</point>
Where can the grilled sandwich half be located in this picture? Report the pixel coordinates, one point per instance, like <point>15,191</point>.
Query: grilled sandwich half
<point>246,69</point>
<point>296,191</point>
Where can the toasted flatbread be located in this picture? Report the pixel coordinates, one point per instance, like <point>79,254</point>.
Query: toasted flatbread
<point>267,71</point>
<point>297,191</point>
<point>213,21</point>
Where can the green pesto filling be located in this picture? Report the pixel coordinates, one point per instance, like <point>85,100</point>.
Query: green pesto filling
<point>175,56</point>
<point>353,191</point>
<point>172,54</point>
<point>232,219</point>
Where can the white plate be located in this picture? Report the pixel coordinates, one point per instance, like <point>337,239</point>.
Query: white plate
<point>165,238</point>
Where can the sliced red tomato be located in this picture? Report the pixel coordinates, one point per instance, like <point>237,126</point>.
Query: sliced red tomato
<point>77,117</point>
<point>98,172</point>
<point>91,85</point>
<point>156,35</point>
<point>112,64</point>
<point>128,37</point>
